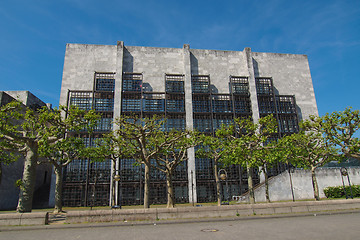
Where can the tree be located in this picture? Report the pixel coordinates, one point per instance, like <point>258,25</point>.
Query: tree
<point>138,134</point>
<point>308,150</point>
<point>247,144</point>
<point>214,148</point>
<point>24,130</point>
<point>174,146</point>
<point>340,128</point>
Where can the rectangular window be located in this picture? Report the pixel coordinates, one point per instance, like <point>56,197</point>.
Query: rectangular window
<point>83,100</point>
<point>286,104</point>
<point>221,103</point>
<point>220,120</point>
<point>154,102</point>
<point>175,103</point>
<point>266,105</point>
<point>264,86</point>
<point>202,123</point>
<point>288,124</point>
<point>239,85</point>
<point>201,103</point>
<point>174,83</point>
<point>132,82</point>
<point>200,84</point>
<point>105,82</point>
<point>242,104</point>
<point>176,122</point>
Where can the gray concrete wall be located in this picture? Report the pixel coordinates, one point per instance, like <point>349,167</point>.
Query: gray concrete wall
<point>291,76</point>
<point>80,64</point>
<point>280,188</point>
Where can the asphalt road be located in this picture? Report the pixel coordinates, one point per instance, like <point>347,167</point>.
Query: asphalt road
<point>336,226</point>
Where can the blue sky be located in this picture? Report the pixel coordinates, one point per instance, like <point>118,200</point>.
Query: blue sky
<point>33,36</point>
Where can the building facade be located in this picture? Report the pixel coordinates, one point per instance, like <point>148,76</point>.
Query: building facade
<point>12,172</point>
<point>191,88</point>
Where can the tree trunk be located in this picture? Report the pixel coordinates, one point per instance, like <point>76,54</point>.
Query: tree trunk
<point>170,190</point>
<point>28,181</point>
<point>315,185</point>
<point>217,181</point>
<point>250,184</point>
<point>58,190</point>
<point>267,196</point>
<point>147,187</point>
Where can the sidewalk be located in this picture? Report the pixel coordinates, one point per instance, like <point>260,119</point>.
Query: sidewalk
<point>125,217</point>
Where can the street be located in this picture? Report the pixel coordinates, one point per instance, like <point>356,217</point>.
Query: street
<point>337,226</point>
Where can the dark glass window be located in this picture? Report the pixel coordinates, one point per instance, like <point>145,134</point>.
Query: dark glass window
<point>201,103</point>
<point>222,120</point>
<point>242,104</point>
<point>221,103</point>
<point>266,105</point>
<point>82,100</point>
<point>174,83</point>
<point>131,105</point>
<point>202,123</point>
<point>154,103</point>
<point>104,104</point>
<point>286,104</point>
<point>175,122</point>
<point>239,85</point>
<point>264,86</point>
<point>200,84</point>
<point>288,123</point>
<point>132,82</point>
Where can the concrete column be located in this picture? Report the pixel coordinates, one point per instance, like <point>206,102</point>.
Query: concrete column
<point>189,123</point>
<point>117,109</point>
<point>252,85</point>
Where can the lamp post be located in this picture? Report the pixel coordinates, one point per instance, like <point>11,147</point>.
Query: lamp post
<point>223,176</point>
<point>345,173</point>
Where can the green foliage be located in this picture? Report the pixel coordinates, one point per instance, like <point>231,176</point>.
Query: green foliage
<point>338,192</point>
<point>340,129</point>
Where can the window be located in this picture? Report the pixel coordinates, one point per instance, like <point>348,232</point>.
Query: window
<point>104,81</point>
<point>221,103</point>
<point>201,103</point>
<point>286,104</point>
<point>175,103</point>
<point>200,84</point>
<point>154,102</point>
<point>242,104</point>
<point>174,83</point>
<point>82,100</point>
<point>202,123</point>
<point>264,86</point>
<point>239,85</point>
<point>132,82</point>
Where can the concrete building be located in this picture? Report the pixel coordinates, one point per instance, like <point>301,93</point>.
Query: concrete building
<point>9,193</point>
<point>192,88</point>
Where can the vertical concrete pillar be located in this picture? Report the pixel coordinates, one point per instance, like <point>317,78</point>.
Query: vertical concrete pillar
<point>117,111</point>
<point>252,85</point>
<point>189,123</point>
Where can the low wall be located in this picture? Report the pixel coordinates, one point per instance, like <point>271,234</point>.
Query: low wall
<point>38,218</point>
<point>154,214</point>
<point>280,188</point>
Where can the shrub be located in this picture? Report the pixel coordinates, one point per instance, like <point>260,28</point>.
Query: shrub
<point>338,192</point>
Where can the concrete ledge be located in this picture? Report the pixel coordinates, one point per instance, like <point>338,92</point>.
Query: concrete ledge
<point>19,219</point>
<point>242,210</point>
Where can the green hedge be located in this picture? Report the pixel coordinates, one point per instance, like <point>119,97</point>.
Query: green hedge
<point>338,192</point>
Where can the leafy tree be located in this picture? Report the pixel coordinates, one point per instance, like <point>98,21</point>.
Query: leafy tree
<point>139,134</point>
<point>247,144</point>
<point>341,129</point>
<point>214,148</point>
<point>24,130</point>
<point>174,146</point>
<point>307,150</point>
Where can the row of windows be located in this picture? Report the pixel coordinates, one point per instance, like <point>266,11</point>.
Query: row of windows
<point>152,105</point>
<point>203,104</point>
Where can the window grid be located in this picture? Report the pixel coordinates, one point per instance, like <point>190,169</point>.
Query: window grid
<point>202,123</point>
<point>154,102</point>
<point>264,86</point>
<point>221,103</point>
<point>285,104</point>
<point>200,84</point>
<point>175,103</point>
<point>201,103</point>
<point>239,85</point>
<point>83,100</point>
<point>174,83</point>
<point>132,82</point>
<point>105,81</point>
<point>242,104</point>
